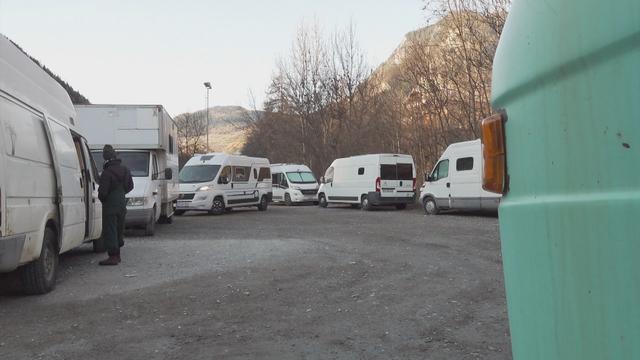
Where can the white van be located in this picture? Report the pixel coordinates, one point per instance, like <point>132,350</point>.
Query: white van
<point>369,180</point>
<point>293,183</point>
<point>48,188</point>
<point>456,181</point>
<point>145,138</point>
<point>217,182</point>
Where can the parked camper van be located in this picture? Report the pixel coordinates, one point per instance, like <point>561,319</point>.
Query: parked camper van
<point>217,182</point>
<point>293,184</point>
<point>48,188</point>
<point>144,137</point>
<point>369,180</point>
<point>456,181</point>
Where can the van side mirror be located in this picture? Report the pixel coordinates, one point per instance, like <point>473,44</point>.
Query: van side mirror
<point>168,173</point>
<point>223,180</point>
<point>430,178</point>
<point>322,181</point>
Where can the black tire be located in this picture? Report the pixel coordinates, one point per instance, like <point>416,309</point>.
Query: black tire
<point>179,212</point>
<point>287,200</point>
<point>322,201</point>
<point>264,204</point>
<point>430,207</point>
<point>217,207</point>
<point>401,206</point>
<point>365,205</point>
<point>150,228</point>
<point>99,246</point>
<point>39,276</point>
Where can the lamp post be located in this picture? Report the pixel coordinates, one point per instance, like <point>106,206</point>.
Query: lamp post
<point>207,85</point>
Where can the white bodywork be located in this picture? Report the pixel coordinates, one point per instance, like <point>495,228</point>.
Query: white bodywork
<point>47,177</point>
<point>248,180</point>
<point>349,180</point>
<point>139,133</point>
<point>456,180</point>
<point>294,182</point>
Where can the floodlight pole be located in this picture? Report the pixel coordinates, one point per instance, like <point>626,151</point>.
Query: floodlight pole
<point>207,85</point>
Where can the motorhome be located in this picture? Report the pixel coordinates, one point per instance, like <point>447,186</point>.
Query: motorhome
<point>369,180</point>
<point>456,181</point>
<point>145,138</point>
<point>293,183</point>
<point>48,188</point>
<point>218,182</point>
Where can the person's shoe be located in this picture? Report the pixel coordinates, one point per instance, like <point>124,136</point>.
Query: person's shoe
<point>110,261</point>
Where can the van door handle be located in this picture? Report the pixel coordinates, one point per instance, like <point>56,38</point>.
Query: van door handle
<point>232,185</point>
<point>448,185</point>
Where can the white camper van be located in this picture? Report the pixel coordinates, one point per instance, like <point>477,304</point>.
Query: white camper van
<point>369,180</point>
<point>293,183</point>
<point>145,138</point>
<point>48,188</point>
<point>217,182</point>
<point>456,181</point>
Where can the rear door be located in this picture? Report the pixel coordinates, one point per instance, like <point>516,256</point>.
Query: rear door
<point>69,186</point>
<point>396,177</point>
<point>278,192</point>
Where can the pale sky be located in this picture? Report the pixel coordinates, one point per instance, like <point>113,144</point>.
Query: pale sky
<point>160,51</point>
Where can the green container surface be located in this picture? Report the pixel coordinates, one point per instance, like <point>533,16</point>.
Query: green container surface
<point>567,72</point>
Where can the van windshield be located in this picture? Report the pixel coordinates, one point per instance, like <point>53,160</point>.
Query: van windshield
<point>137,162</point>
<point>198,173</point>
<point>396,172</point>
<point>300,177</point>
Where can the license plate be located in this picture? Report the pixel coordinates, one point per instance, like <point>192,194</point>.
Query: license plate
<point>182,204</point>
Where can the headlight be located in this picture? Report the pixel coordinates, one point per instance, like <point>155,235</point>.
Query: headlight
<point>204,188</point>
<point>136,201</point>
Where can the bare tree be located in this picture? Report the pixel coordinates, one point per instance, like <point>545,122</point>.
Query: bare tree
<point>192,130</point>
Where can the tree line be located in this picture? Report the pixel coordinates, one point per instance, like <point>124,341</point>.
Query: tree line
<point>324,101</point>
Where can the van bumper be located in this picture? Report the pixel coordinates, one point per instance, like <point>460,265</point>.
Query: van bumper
<point>375,198</point>
<point>10,252</point>
<point>137,217</point>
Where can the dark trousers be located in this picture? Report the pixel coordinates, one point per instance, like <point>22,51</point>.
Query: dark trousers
<point>113,231</point>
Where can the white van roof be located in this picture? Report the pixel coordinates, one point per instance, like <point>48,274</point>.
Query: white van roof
<point>23,79</point>
<point>222,158</point>
<point>369,158</point>
<point>290,167</point>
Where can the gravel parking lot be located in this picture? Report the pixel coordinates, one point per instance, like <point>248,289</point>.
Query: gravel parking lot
<point>290,283</point>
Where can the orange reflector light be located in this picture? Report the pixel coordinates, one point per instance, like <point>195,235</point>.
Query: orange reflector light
<point>494,177</point>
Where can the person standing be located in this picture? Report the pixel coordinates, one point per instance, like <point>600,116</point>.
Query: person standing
<point>115,183</point>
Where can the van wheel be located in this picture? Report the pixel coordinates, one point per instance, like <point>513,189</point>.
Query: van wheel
<point>99,246</point>
<point>364,203</point>
<point>322,201</point>
<point>217,207</point>
<point>179,212</point>
<point>39,276</point>
<point>401,206</point>
<point>287,200</point>
<point>150,228</point>
<point>430,207</point>
<point>264,204</point>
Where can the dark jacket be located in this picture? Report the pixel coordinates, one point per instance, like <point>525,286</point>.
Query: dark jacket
<point>115,182</point>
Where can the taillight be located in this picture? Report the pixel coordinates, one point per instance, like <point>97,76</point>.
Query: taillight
<point>378,184</point>
<point>414,184</point>
<point>494,176</point>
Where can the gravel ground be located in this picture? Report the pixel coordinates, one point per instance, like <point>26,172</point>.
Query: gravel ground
<point>290,283</point>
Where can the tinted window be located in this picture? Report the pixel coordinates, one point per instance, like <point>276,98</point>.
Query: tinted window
<point>441,171</point>
<point>405,171</point>
<point>388,172</point>
<point>255,173</point>
<point>301,177</point>
<point>198,173</point>
<point>241,173</point>
<point>361,171</point>
<point>464,164</point>
<point>264,173</point>
<point>275,180</point>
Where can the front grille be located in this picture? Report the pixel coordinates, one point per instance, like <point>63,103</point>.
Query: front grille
<point>309,192</point>
<point>186,196</point>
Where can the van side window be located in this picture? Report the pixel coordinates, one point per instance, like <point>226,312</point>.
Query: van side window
<point>283,181</point>
<point>264,173</point>
<point>241,173</point>
<point>464,164</point>
<point>328,175</point>
<point>170,144</point>
<point>275,180</point>
<point>154,165</point>
<point>255,173</point>
<point>225,173</point>
<point>441,171</point>
<point>361,171</point>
